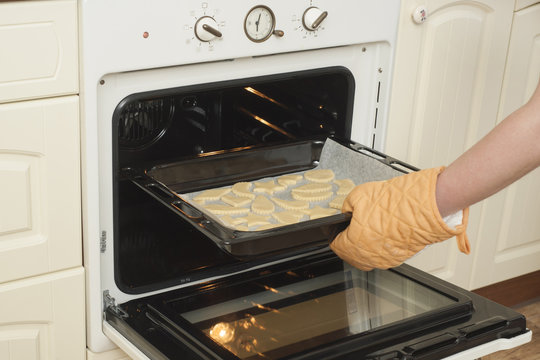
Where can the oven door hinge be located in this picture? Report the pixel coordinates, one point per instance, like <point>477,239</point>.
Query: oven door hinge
<point>103,241</point>
<point>109,303</point>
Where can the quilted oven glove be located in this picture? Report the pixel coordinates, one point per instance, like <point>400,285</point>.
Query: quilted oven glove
<point>394,219</point>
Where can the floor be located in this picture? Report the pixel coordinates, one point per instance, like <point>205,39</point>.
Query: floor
<point>531,350</point>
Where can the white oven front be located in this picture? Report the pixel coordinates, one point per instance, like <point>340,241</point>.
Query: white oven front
<point>131,47</point>
<point>135,46</point>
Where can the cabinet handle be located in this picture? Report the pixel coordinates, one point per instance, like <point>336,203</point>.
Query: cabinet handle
<point>420,14</point>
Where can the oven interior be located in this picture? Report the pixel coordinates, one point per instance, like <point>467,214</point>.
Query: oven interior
<point>155,248</point>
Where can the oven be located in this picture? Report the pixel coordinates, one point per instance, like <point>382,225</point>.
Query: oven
<point>183,97</point>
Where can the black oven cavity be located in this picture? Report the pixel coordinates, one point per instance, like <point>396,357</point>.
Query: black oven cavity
<point>155,248</point>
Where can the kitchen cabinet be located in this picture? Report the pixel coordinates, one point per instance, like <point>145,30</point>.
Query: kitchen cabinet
<point>43,317</point>
<point>509,234</point>
<point>40,211</point>
<point>446,88</point>
<point>42,289</point>
<point>39,49</point>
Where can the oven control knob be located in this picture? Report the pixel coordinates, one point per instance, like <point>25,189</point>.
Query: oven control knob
<point>206,29</point>
<point>313,17</point>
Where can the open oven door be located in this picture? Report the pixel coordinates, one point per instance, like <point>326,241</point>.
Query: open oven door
<point>316,307</point>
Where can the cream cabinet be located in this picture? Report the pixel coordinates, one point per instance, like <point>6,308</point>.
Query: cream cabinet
<point>42,291</point>
<point>38,49</point>
<point>40,211</point>
<point>43,317</point>
<point>509,234</point>
<point>445,94</point>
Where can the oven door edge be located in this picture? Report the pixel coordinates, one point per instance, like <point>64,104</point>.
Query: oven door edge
<point>129,347</point>
<point>493,346</point>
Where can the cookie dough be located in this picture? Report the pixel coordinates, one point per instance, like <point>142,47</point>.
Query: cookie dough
<point>319,175</point>
<point>337,202</point>
<point>314,197</point>
<point>268,187</point>
<point>255,220</point>
<point>312,188</point>
<point>235,201</point>
<point>211,195</point>
<point>289,179</point>
<point>262,205</point>
<point>291,204</point>
<point>288,216</point>
<point>232,221</point>
<point>243,189</point>
<point>222,209</point>
<point>319,212</point>
<point>345,186</point>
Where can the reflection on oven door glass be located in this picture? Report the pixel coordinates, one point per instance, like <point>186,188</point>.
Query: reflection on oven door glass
<point>294,317</point>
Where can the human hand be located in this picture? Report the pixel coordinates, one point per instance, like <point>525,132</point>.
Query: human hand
<point>394,219</point>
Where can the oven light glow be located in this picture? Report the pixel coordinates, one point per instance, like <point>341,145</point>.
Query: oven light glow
<point>145,35</point>
<point>222,333</point>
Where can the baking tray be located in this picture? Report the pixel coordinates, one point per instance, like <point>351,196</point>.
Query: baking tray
<point>173,184</point>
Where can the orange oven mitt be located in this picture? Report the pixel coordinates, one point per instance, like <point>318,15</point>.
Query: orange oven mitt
<point>394,219</point>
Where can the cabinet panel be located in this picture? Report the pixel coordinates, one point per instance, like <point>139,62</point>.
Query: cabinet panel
<point>39,187</point>
<point>510,231</point>
<point>39,49</point>
<point>43,317</point>
<point>446,88</point>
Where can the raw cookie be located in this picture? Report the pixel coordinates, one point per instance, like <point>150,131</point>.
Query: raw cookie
<point>345,186</point>
<point>243,189</point>
<point>211,194</point>
<point>268,187</point>
<point>235,201</point>
<point>267,226</point>
<point>312,188</point>
<point>261,205</point>
<point>222,209</point>
<point>319,212</point>
<point>231,221</point>
<point>337,202</point>
<point>319,175</point>
<point>254,219</point>
<point>289,179</point>
<point>291,204</point>
<point>288,217</point>
<point>312,197</point>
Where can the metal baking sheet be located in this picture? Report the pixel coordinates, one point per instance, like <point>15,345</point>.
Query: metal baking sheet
<point>345,162</point>
<point>176,184</point>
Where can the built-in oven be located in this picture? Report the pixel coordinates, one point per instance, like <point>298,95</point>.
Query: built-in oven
<point>184,99</point>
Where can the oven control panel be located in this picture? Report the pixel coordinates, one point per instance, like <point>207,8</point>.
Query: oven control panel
<point>170,33</point>
<point>260,24</point>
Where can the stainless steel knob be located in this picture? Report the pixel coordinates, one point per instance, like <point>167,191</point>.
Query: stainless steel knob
<point>206,29</point>
<point>313,17</point>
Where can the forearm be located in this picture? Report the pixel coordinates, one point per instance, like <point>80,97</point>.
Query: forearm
<point>508,152</point>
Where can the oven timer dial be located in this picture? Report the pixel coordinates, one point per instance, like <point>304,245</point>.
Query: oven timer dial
<point>206,29</point>
<point>313,17</point>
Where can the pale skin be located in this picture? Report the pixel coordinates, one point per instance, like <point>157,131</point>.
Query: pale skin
<point>504,155</point>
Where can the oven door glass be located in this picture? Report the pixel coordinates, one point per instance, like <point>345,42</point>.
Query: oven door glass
<point>292,312</point>
<point>315,307</point>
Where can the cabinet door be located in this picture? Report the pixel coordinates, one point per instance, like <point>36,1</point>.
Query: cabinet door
<point>510,231</point>
<point>39,55</point>
<point>40,225</point>
<point>42,318</point>
<point>447,79</point>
